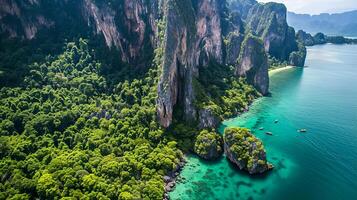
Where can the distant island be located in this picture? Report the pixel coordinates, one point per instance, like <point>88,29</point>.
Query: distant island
<point>331,24</point>
<point>320,38</point>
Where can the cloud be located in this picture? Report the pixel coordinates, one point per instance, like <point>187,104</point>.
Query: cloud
<point>318,6</point>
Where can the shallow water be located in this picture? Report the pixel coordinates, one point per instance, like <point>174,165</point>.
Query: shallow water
<point>319,164</point>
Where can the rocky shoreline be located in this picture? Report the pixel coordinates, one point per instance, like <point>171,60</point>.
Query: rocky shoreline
<point>172,178</point>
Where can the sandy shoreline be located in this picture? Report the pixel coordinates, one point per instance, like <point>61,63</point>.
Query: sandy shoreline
<point>274,71</point>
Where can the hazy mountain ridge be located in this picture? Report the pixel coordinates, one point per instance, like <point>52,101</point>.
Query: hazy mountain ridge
<point>331,24</point>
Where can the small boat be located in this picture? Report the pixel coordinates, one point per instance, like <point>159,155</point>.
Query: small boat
<point>261,128</point>
<point>269,133</point>
<point>276,121</point>
<point>302,130</point>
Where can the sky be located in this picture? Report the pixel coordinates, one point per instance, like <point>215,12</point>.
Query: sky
<point>318,6</point>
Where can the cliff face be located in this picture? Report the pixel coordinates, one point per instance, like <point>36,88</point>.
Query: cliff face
<point>297,58</point>
<point>305,38</point>
<point>21,19</point>
<point>193,38</point>
<point>269,22</point>
<point>253,64</point>
<point>127,25</point>
<point>197,34</point>
<point>179,61</point>
<point>242,6</point>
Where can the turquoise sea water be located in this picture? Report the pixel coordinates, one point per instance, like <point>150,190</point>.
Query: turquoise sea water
<point>319,164</point>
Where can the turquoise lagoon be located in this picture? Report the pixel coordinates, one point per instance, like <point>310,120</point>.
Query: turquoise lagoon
<point>319,164</point>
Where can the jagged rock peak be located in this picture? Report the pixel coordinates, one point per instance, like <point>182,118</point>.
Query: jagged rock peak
<point>305,38</point>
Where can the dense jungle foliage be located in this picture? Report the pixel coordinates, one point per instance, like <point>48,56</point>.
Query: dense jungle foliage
<point>74,130</point>
<point>67,132</point>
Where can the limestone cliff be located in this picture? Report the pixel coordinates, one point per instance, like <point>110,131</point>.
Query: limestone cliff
<point>242,6</point>
<point>305,38</point>
<point>268,21</point>
<point>297,58</point>
<point>127,25</point>
<point>21,19</point>
<point>253,64</point>
<point>198,34</point>
<point>193,39</point>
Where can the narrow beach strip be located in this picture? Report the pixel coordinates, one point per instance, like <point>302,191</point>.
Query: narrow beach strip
<point>277,70</point>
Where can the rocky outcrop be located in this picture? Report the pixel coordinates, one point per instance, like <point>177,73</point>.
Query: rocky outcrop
<point>129,26</point>
<point>21,19</point>
<point>305,38</point>
<point>268,21</point>
<point>179,62</point>
<point>320,38</point>
<point>297,58</point>
<point>233,47</point>
<point>245,150</point>
<point>208,145</point>
<point>253,64</point>
<point>193,38</point>
<point>207,119</point>
<point>242,6</point>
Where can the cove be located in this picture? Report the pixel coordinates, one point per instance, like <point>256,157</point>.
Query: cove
<point>319,164</point>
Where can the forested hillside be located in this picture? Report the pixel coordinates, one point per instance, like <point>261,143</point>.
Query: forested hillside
<point>68,132</point>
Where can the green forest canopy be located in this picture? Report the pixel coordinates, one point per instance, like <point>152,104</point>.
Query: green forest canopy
<point>70,133</point>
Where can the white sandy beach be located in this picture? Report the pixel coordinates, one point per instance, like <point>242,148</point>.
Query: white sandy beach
<point>277,70</point>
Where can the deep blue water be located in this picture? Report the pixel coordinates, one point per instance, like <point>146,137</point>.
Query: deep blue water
<point>319,164</point>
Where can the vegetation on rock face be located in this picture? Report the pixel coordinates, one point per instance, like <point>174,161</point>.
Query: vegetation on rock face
<point>275,63</point>
<point>245,150</point>
<point>208,145</point>
<point>268,21</point>
<point>219,90</point>
<point>253,64</point>
<point>69,132</point>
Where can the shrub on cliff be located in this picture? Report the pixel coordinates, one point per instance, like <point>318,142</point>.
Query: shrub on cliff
<point>245,150</point>
<point>208,145</point>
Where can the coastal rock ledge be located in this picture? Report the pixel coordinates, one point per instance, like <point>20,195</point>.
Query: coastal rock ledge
<point>245,150</point>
